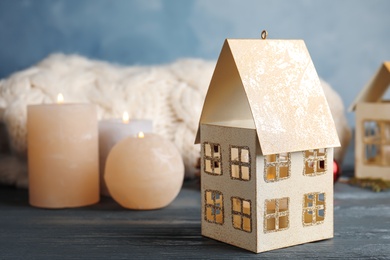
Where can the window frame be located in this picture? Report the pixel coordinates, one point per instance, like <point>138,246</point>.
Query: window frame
<point>314,208</point>
<point>277,164</point>
<point>315,159</point>
<point>239,163</point>
<point>214,207</point>
<point>241,214</point>
<point>213,159</point>
<point>380,140</point>
<point>276,214</point>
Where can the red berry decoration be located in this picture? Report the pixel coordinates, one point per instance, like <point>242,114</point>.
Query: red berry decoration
<point>336,171</point>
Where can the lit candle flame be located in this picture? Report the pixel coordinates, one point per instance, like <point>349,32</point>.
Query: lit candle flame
<point>60,98</point>
<point>141,135</point>
<point>125,117</point>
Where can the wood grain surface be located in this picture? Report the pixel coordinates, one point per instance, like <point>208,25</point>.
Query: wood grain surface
<point>107,231</point>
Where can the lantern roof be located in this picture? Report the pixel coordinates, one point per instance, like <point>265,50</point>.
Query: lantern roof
<point>375,88</point>
<point>272,87</point>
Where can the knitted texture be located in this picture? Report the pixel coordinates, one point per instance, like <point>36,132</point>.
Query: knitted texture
<point>171,95</point>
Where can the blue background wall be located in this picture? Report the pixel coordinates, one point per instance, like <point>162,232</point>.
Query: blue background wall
<point>348,40</point>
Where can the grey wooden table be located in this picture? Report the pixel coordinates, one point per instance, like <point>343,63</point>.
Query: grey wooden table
<point>107,231</point>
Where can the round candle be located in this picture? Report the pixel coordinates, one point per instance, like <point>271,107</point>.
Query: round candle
<point>63,155</point>
<point>145,172</point>
<point>111,131</point>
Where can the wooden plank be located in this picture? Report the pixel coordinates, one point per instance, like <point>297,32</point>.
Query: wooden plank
<point>105,230</point>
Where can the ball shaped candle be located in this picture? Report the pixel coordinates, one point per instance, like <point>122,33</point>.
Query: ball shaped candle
<point>144,172</point>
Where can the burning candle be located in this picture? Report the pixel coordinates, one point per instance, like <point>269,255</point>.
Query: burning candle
<point>111,131</point>
<point>62,155</point>
<point>144,172</point>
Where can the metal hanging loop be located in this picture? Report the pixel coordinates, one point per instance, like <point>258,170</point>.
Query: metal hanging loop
<point>264,34</point>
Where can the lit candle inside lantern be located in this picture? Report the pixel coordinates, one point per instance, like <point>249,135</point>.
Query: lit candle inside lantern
<point>62,155</point>
<point>60,98</point>
<point>111,131</point>
<point>125,117</point>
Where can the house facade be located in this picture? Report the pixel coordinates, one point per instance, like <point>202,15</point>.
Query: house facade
<point>372,135</point>
<point>267,138</point>
<point>261,202</point>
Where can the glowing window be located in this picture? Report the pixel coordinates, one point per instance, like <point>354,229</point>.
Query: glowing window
<point>240,163</point>
<point>276,215</point>
<point>241,214</point>
<point>214,206</point>
<point>313,208</point>
<point>315,162</point>
<point>277,167</point>
<point>212,158</point>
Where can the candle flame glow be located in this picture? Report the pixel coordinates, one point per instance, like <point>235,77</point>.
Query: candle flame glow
<point>141,135</point>
<point>125,117</point>
<point>60,98</point>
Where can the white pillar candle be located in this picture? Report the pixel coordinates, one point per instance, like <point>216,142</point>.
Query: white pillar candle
<point>111,131</point>
<point>63,155</point>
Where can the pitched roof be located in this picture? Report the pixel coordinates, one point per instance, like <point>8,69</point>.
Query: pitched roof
<point>274,84</point>
<point>375,88</point>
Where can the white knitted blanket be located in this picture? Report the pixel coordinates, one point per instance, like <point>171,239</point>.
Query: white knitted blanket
<point>171,95</point>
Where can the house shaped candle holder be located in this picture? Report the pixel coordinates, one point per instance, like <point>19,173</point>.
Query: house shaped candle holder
<point>267,139</point>
<point>372,136</point>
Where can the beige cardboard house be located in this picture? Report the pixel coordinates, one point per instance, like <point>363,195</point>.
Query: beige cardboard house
<point>267,138</point>
<point>372,136</point>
